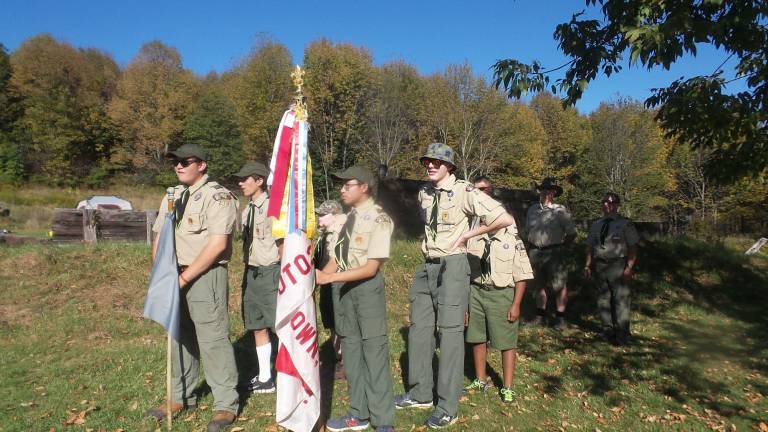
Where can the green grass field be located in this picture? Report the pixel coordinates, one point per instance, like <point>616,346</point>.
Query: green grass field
<point>75,353</point>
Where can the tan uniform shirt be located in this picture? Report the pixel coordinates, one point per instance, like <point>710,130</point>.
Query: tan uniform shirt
<point>263,250</point>
<point>458,202</point>
<point>619,236</point>
<point>508,258</point>
<point>370,237</point>
<point>548,225</point>
<point>211,210</point>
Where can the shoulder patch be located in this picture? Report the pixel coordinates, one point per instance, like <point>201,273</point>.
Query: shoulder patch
<point>222,196</point>
<point>383,218</point>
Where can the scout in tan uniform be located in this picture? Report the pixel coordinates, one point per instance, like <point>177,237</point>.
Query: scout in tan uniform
<point>500,268</point>
<point>262,271</point>
<point>550,228</point>
<point>330,220</point>
<point>440,290</point>
<point>360,304</point>
<point>205,217</point>
<point>611,258</point>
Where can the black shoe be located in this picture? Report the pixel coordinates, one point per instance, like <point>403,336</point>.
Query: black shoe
<point>560,324</point>
<point>256,386</point>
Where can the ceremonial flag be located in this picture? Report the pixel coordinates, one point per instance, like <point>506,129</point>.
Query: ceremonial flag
<point>291,204</point>
<point>162,302</point>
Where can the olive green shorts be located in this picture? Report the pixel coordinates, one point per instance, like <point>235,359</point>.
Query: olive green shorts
<point>550,267</point>
<point>260,296</point>
<point>488,310</point>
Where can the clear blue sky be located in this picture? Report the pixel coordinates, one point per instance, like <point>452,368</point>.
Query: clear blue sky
<point>428,34</point>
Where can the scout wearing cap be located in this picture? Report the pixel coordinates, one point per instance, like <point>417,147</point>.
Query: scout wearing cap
<point>360,304</point>
<point>330,220</point>
<point>611,257</point>
<point>440,290</point>
<point>549,227</point>
<point>205,218</point>
<point>500,269</point>
<point>262,270</point>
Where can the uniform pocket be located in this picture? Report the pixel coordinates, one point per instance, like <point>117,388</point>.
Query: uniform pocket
<point>194,222</point>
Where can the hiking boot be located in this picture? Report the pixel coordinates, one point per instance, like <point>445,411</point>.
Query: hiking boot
<point>560,324</point>
<point>256,386</point>
<point>221,420</point>
<point>477,385</point>
<point>507,395</point>
<point>346,423</point>
<point>404,401</point>
<point>159,412</point>
<point>537,321</point>
<point>436,421</point>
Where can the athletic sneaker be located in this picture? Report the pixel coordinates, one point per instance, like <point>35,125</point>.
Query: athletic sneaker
<point>404,401</point>
<point>347,423</point>
<point>256,386</point>
<point>478,385</point>
<point>440,421</point>
<point>507,394</point>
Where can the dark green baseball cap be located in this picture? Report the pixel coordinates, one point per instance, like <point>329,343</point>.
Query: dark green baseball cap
<point>188,151</point>
<point>357,172</point>
<point>253,168</point>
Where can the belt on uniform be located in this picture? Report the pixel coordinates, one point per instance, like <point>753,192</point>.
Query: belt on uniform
<point>487,287</point>
<point>432,260</point>
<point>547,247</point>
<point>182,268</point>
<point>610,260</point>
<point>252,267</point>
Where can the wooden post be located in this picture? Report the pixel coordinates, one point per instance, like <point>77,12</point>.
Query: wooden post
<point>149,228</point>
<point>89,225</point>
<point>168,366</point>
<point>168,395</point>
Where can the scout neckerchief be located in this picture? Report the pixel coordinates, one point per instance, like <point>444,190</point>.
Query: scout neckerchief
<point>181,204</point>
<point>248,232</point>
<point>604,230</point>
<point>345,237</point>
<point>485,261</point>
<point>319,255</point>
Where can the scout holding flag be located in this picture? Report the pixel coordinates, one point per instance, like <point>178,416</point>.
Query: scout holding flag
<point>204,217</point>
<point>360,306</point>
<point>440,290</point>
<point>292,207</point>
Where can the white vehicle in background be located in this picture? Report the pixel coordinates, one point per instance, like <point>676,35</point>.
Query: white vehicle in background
<point>105,202</point>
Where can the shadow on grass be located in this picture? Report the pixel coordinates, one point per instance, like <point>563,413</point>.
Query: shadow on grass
<point>675,276</point>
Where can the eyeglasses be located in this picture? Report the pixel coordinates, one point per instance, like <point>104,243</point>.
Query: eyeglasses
<point>185,162</point>
<point>483,188</point>
<point>436,162</point>
<point>348,186</point>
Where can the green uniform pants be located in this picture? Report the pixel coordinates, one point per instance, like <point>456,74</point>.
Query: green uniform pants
<point>439,297</point>
<point>361,323</point>
<point>204,325</point>
<point>613,295</point>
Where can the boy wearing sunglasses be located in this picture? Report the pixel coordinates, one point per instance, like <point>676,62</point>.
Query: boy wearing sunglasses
<point>205,218</point>
<point>440,290</point>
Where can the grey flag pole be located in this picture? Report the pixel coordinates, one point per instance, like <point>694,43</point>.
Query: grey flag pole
<point>168,365</point>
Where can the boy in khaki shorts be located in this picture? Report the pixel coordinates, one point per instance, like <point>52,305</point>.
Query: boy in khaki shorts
<point>500,268</point>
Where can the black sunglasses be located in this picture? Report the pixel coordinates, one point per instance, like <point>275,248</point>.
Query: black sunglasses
<point>185,162</point>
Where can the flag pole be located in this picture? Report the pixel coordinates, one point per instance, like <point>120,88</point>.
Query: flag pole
<point>168,366</point>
